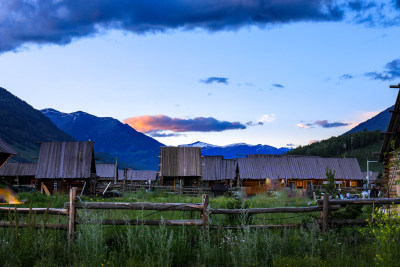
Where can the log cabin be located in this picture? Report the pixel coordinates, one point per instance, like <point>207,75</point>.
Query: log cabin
<point>180,166</point>
<point>390,153</point>
<point>63,165</point>
<point>262,172</point>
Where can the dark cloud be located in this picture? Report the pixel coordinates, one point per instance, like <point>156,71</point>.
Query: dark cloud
<point>250,123</point>
<point>164,134</point>
<point>61,21</point>
<point>346,77</point>
<point>391,72</point>
<point>323,124</point>
<point>277,85</point>
<point>158,123</point>
<point>215,80</point>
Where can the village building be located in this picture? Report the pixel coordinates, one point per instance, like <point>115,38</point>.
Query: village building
<point>20,174</point>
<point>6,152</point>
<point>63,165</point>
<point>390,152</point>
<point>262,172</point>
<point>218,173</point>
<point>139,177</point>
<point>180,166</point>
<point>107,172</point>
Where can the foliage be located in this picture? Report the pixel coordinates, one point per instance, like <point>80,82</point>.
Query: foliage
<point>385,232</point>
<point>100,245</point>
<point>360,145</point>
<point>330,187</point>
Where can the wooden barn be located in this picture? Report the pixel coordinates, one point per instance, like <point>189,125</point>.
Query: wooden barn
<point>63,165</point>
<point>19,173</point>
<point>6,152</point>
<point>180,166</point>
<point>217,170</point>
<point>390,154</point>
<point>297,172</point>
<point>107,172</point>
<point>137,176</point>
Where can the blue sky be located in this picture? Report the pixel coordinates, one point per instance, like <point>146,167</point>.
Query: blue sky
<point>257,72</point>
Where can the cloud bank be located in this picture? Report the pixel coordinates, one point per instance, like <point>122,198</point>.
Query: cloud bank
<point>323,124</point>
<point>391,72</point>
<point>210,80</point>
<point>158,124</point>
<point>61,21</point>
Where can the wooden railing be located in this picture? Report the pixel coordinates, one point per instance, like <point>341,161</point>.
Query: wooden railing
<point>324,206</point>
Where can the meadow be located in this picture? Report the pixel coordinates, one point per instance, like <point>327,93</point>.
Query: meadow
<point>101,245</point>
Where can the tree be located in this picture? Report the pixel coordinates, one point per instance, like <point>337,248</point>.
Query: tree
<point>330,188</point>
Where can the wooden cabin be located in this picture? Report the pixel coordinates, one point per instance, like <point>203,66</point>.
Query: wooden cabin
<point>63,165</point>
<point>296,172</point>
<point>20,174</point>
<point>180,166</point>
<point>143,177</point>
<point>390,152</point>
<point>107,172</point>
<point>218,173</point>
<point>6,152</point>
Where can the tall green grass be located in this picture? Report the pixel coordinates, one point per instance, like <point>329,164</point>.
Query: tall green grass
<point>100,245</point>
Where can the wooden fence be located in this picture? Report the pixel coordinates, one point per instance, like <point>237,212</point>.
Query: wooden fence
<point>324,206</point>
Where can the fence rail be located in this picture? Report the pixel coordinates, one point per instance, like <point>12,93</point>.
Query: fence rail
<point>324,206</point>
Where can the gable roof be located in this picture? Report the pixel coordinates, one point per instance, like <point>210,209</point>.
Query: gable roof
<point>137,175</point>
<point>180,161</point>
<point>18,169</point>
<point>393,131</point>
<point>105,170</point>
<point>66,160</point>
<point>6,151</point>
<point>216,168</point>
<point>297,167</point>
<point>6,148</point>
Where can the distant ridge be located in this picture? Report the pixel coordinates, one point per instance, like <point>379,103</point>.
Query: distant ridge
<point>111,136</point>
<point>237,150</point>
<point>379,122</point>
<point>22,126</point>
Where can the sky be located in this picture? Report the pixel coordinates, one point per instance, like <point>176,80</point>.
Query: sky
<point>280,73</point>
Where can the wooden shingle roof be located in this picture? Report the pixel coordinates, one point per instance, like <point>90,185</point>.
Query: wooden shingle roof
<point>66,160</point>
<point>216,168</point>
<point>393,131</point>
<point>297,167</point>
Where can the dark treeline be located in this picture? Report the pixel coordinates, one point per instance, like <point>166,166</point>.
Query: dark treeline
<point>340,146</point>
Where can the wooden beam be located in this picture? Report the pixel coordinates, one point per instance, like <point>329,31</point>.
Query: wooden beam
<point>271,210</point>
<point>36,225</point>
<point>139,206</point>
<point>35,210</point>
<point>362,201</point>
<point>72,210</point>
<point>154,222</point>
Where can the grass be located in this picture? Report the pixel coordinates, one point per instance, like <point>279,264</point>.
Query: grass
<point>100,245</point>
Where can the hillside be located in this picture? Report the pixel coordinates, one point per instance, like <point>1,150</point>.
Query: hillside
<point>22,127</point>
<point>110,136</point>
<point>360,145</point>
<point>379,122</point>
<point>237,150</point>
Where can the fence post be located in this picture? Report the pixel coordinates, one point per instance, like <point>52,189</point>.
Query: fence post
<point>325,213</point>
<point>71,213</point>
<point>205,215</point>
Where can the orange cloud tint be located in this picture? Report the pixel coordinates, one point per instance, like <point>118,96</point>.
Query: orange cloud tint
<point>157,123</point>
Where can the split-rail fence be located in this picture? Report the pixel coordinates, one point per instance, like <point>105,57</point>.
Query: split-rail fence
<point>324,206</point>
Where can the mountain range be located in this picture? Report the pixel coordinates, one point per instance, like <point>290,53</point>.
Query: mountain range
<point>110,136</point>
<point>236,150</point>
<point>22,127</point>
